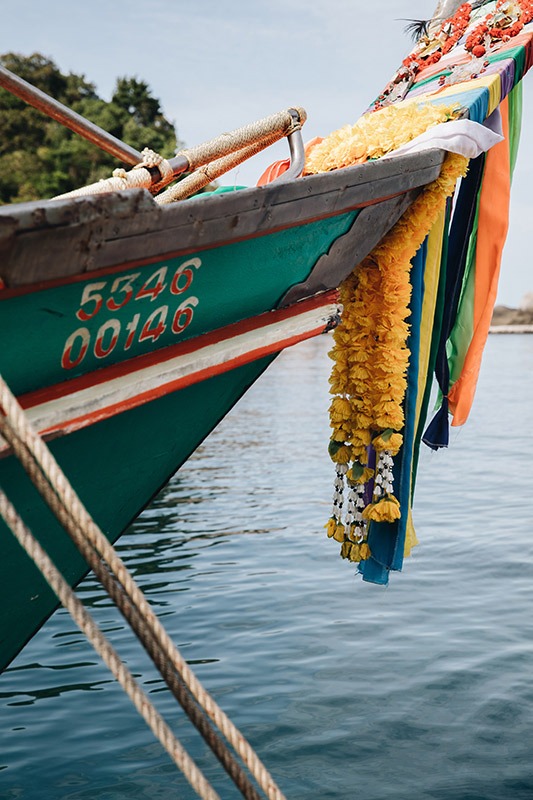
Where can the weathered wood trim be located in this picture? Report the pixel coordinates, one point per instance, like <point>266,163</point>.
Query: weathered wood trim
<point>368,228</point>
<point>60,238</point>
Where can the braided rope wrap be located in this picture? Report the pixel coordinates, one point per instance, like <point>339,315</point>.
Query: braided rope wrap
<point>139,177</point>
<point>258,135</point>
<point>209,172</point>
<point>276,125</point>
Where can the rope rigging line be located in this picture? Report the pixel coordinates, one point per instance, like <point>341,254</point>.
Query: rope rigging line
<point>53,485</point>
<point>133,617</point>
<point>105,650</point>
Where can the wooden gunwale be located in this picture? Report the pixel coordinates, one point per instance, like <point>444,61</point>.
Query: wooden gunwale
<point>120,231</point>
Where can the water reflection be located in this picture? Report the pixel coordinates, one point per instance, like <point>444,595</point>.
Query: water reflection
<point>420,690</point>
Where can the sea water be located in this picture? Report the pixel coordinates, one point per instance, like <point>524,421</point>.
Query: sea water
<point>347,690</point>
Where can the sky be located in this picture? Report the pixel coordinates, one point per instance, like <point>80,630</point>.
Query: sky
<point>215,66</point>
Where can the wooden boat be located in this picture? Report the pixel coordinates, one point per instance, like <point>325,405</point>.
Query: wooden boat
<point>130,329</point>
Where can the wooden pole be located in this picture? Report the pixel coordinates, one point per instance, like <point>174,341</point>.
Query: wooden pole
<point>70,119</point>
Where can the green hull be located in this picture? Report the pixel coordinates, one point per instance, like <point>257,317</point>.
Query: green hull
<point>230,283</point>
<point>116,467</point>
<point>129,330</point>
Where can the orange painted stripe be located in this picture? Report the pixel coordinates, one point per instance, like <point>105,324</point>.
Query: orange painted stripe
<point>180,383</point>
<point>105,374</point>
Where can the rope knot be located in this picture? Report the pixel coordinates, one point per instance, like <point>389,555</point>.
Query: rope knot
<point>153,159</point>
<point>121,174</point>
<point>150,159</point>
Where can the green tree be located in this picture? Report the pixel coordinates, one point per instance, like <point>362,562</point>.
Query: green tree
<point>41,158</point>
<point>142,117</point>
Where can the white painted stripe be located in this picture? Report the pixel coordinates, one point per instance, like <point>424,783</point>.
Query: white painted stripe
<point>511,329</point>
<point>60,411</point>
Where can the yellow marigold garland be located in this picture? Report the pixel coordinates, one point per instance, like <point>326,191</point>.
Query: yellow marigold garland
<point>371,359</point>
<point>375,134</point>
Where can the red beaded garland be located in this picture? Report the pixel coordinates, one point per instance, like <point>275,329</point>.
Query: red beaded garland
<point>459,23</point>
<point>485,34</point>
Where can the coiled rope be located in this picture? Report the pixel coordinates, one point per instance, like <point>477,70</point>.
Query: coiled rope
<point>56,490</point>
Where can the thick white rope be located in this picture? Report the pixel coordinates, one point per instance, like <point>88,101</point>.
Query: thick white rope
<point>206,174</point>
<point>105,650</point>
<point>21,425</point>
<point>248,139</point>
<point>137,178</point>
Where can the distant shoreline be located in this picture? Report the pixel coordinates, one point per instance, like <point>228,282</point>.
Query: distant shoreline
<point>511,320</point>
<point>511,329</point>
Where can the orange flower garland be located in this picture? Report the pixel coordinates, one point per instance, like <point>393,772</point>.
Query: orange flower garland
<point>374,135</point>
<point>455,27</point>
<point>369,374</point>
<point>449,34</point>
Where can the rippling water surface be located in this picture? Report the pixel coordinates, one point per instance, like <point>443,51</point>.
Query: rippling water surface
<point>420,690</point>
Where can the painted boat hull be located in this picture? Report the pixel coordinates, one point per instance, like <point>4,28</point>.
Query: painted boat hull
<point>131,330</point>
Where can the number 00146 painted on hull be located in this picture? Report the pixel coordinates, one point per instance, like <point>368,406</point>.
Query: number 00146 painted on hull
<point>64,331</point>
<point>150,329</point>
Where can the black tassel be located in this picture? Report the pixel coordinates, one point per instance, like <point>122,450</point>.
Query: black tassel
<point>417,28</point>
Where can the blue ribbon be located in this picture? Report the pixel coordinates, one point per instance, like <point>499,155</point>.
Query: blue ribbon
<point>387,539</point>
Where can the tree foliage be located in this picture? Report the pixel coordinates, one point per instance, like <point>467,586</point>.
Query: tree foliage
<point>41,158</point>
